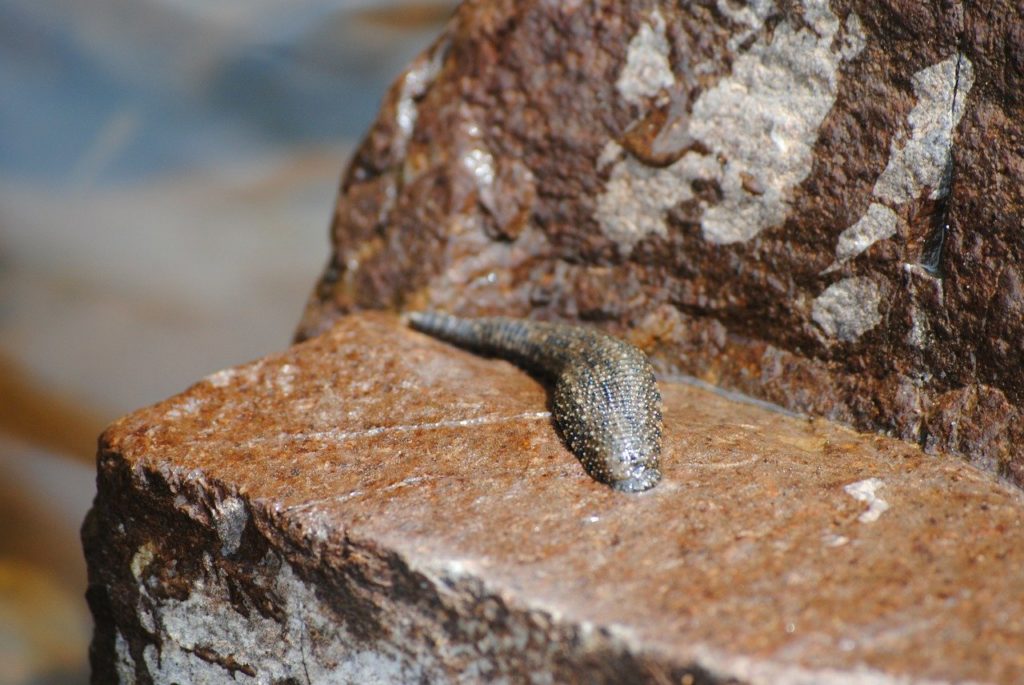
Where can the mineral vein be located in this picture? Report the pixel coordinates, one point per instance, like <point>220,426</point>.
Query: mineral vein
<point>605,401</point>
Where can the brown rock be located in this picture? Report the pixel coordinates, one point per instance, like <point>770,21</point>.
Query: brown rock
<point>817,204</point>
<point>373,505</point>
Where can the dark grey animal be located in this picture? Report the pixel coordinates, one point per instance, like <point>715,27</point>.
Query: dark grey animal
<point>606,402</point>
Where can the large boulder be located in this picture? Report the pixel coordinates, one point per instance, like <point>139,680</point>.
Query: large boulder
<point>816,203</point>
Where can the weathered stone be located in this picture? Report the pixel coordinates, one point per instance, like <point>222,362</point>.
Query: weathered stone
<point>816,203</point>
<point>373,505</point>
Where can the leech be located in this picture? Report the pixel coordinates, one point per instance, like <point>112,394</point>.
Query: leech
<point>605,400</point>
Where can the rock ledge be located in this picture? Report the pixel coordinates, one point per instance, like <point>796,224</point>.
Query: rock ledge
<point>373,505</point>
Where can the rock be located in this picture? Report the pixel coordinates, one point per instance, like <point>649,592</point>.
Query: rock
<point>375,506</point>
<point>816,203</point>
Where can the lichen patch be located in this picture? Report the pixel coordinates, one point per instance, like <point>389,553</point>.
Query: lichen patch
<point>636,196</point>
<point>921,162</point>
<point>878,223</point>
<point>647,70</point>
<point>417,80</point>
<point>758,126</point>
<point>866,491</point>
<point>763,121</point>
<point>848,309</point>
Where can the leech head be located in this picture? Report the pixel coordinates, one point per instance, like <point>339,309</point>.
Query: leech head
<point>631,465</point>
<point>642,477</point>
<point>610,414</point>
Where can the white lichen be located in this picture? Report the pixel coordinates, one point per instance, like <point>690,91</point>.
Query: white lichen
<point>230,517</point>
<point>750,15</point>
<point>124,663</point>
<point>480,164</point>
<point>922,161</point>
<point>763,121</point>
<point>141,559</point>
<point>221,379</point>
<point>853,39</point>
<point>848,309</point>
<point>878,223</point>
<point>417,80</point>
<point>636,196</point>
<point>919,334</point>
<point>611,152</point>
<point>865,491</point>
<point>647,70</point>
<point>916,165</point>
<point>759,122</point>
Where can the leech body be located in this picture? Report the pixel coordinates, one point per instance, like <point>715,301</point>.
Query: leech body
<point>605,401</point>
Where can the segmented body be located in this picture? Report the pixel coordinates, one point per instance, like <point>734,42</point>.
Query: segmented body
<point>605,399</point>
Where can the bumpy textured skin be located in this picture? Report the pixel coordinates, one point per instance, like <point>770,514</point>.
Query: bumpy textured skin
<point>606,402</point>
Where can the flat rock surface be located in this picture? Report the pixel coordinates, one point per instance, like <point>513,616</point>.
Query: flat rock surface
<point>776,549</point>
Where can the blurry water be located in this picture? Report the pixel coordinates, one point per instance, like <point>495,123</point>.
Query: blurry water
<point>111,89</point>
<point>167,174</point>
<point>168,170</point>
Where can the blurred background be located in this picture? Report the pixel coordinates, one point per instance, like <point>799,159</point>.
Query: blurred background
<point>168,170</point>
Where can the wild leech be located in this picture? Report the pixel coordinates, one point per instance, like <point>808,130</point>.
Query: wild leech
<point>606,402</point>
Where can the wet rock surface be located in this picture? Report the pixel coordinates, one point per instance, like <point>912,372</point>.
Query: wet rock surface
<point>816,203</point>
<point>376,505</point>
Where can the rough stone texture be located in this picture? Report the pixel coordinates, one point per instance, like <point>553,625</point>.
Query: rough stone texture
<point>816,203</point>
<point>374,505</point>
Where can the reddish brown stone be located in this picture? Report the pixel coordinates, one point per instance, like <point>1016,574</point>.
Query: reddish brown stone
<point>373,505</point>
<point>819,205</point>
